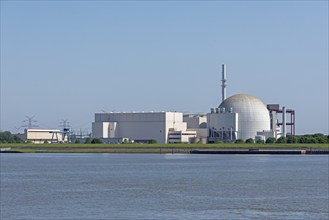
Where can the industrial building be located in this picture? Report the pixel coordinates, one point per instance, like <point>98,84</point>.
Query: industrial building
<point>240,116</point>
<point>243,116</point>
<point>197,123</point>
<point>142,127</point>
<point>40,136</point>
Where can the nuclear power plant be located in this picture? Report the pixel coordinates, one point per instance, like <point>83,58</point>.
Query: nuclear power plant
<point>240,116</point>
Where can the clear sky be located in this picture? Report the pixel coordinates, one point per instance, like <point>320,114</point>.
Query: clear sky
<point>70,59</point>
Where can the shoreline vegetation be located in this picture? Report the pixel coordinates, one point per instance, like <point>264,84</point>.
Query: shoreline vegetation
<point>10,143</point>
<point>149,148</point>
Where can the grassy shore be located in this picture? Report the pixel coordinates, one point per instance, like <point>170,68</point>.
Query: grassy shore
<point>145,148</point>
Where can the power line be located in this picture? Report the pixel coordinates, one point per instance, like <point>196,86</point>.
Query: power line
<point>30,122</point>
<point>65,124</point>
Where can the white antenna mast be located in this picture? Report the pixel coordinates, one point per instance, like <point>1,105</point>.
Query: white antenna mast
<point>224,82</point>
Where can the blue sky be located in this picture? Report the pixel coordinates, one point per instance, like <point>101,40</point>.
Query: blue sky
<point>68,60</point>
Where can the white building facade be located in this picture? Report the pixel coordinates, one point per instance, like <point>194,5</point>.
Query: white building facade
<point>40,136</point>
<point>197,123</point>
<point>222,125</point>
<point>240,116</point>
<point>140,126</point>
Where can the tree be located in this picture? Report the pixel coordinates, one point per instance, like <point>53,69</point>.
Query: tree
<point>229,142</point>
<point>322,140</point>
<point>270,140</point>
<point>17,139</point>
<point>88,141</point>
<point>313,140</point>
<point>306,139</point>
<point>303,140</point>
<point>239,141</point>
<point>292,139</point>
<point>97,141</point>
<point>250,141</point>
<point>153,141</point>
<point>281,140</point>
<point>77,141</point>
<point>260,141</point>
<point>7,137</point>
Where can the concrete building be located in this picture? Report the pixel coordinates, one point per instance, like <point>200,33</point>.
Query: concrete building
<point>40,136</point>
<point>244,116</point>
<point>280,127</point>
<point>197,123</point>
<point>223,125</point>
<point>181,136</point>
<point>142,126</point>
<point>240,116</point>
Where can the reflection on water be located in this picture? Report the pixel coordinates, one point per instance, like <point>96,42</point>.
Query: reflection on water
<point>176,156</point>
<point>168,186</point>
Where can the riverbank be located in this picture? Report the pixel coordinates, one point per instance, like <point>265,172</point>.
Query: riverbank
<point>151,148</point>
<point>262,151</point>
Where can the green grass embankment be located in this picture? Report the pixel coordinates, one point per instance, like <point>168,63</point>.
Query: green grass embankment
<point>145,148</point>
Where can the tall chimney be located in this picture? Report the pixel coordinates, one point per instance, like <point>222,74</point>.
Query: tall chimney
<point>224,82</point>
<point>284,124</point>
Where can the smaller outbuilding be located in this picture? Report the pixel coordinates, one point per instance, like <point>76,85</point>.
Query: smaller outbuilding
<point>40,136</point>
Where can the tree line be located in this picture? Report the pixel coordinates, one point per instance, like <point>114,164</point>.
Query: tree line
<point>7,137</point>
<point>317,138</point>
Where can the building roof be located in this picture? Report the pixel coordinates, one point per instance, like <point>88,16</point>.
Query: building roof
<point>253,114</point>
<point>242,100</point>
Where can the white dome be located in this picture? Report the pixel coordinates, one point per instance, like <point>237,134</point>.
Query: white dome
<point>253,115</point>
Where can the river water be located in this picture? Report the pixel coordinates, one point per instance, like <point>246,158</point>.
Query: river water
<point>164,186</point>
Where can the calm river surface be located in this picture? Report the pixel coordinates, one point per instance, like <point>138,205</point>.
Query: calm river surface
<point>155,186</point>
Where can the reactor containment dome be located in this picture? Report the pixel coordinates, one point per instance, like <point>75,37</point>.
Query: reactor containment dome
<point>253,115</point>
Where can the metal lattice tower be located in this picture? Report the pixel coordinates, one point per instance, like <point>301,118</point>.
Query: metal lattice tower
<point>30,122</point>
<point>65,124</point>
